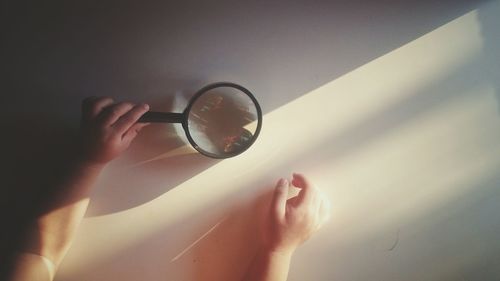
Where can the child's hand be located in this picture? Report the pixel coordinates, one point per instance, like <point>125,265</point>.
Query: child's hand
<point>291,222</point>
<point>108,128</point>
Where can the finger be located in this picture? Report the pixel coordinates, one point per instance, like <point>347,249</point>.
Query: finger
<point>112,113</point>
<point>130,118</point>
<point>278,203</point>
<point>132,132</point>
<point>307,191</point>
<point>92,106</point>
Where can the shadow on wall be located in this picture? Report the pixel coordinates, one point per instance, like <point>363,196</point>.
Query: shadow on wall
<point>488,18</point>
<point>479,209</point>
<point>141,50</point>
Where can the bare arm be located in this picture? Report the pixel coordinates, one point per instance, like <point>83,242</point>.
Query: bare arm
<point>290,223</point>
<point>107,130</point>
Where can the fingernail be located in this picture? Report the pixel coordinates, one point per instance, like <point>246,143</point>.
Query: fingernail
<point>282,182</point>
<point>145,106</point>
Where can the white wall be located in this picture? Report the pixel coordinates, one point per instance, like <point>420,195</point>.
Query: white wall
<point>392,108</point>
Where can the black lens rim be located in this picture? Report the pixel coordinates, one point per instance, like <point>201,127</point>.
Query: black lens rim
<point>206,89</point>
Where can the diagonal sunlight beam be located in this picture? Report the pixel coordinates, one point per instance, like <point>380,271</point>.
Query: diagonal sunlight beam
<point>178,256</point>
<point>294,130</point>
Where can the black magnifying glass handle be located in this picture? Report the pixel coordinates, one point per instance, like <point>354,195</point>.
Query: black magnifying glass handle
<point>161,117</point>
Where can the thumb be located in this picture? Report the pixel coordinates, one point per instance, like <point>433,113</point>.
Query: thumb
<point>278,204</point>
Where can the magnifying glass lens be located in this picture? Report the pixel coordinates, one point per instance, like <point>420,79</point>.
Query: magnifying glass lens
<point>223,121</point>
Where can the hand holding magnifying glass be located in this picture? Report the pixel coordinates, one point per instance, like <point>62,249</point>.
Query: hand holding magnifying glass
<point>221,120</point>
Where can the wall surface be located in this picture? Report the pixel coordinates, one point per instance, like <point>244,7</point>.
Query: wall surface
<point>392,107</point>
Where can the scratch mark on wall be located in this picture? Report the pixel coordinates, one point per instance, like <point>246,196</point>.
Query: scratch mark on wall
<point>396,242</point>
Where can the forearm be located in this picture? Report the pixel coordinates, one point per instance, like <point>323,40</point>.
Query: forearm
<point>54,229</point>
<point>107,130</point>
<point>32,267</point>
<point>269,266</point>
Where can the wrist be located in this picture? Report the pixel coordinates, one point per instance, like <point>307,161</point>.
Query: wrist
<point>275,257</point>
<point>279,251</point>
<point>86,157</point>
<point>82,161</point>
<point>84,164</point>
<point>90,166</point>
<point>282,255</point>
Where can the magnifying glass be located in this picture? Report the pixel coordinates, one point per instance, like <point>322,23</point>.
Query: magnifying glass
<point>221,120</point>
